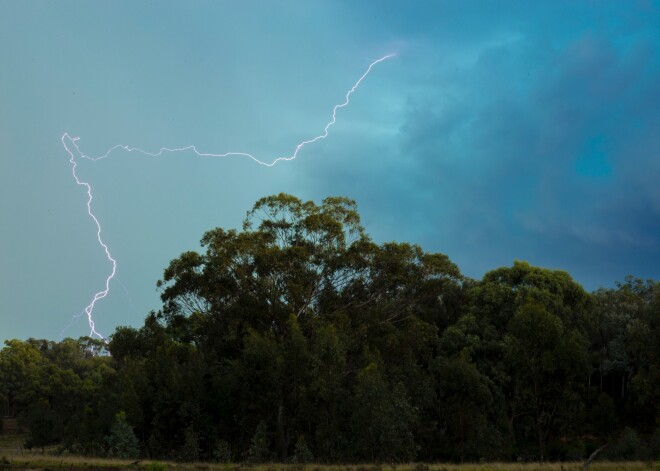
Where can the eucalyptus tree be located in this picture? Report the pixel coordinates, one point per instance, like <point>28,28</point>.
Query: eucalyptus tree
<point>289,311</point>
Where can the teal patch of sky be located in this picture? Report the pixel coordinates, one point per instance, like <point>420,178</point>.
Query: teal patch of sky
<point>502,130</point>
<point>593,161</point>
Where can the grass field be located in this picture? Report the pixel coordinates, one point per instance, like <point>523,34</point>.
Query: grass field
<point>13,456</point>
<point>46,462</point>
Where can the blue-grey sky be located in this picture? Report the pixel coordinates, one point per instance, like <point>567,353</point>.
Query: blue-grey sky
<point>503,130</point>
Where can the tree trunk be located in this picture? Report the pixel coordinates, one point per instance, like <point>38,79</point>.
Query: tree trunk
<point>541,445</point>
<point>282,435</point>
<point>587,463</point>
<point>539,424</point>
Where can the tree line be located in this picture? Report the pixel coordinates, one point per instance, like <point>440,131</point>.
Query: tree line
<point>300,339</point>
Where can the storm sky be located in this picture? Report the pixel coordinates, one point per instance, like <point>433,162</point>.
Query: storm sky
<point>501,131</point>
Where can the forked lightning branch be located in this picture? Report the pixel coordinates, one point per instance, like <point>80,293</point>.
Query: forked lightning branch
<point>75,154</point>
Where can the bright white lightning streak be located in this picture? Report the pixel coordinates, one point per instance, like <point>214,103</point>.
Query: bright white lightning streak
<point>89,309</point>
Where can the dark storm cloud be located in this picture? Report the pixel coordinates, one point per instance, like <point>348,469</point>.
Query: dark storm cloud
<point>552,157</point>
<point>525,132</point>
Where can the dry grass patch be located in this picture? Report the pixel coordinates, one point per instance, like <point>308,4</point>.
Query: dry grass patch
<point>34,461</point>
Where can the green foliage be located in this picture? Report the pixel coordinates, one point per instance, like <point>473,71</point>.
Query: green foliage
<point>576,451</point>
<point>44,426</point>
<point>222,452</point>
<point>302,454</point>
<point>549,362</point>
<point>300,333</point>
<point>628,447</point>
<point>464,399</point>
<point>189,451</point>
<point>122,442</point>
<point>260,450</point>
<point>384,425</point>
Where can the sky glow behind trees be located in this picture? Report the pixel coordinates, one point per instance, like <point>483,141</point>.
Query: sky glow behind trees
<point>503,130</point>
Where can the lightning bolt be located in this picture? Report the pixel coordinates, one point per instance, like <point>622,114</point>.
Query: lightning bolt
<point>89,309</point>
<point>71,147</point>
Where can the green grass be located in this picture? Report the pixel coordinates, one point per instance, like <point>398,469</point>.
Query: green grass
<point>11,437</point>
<point>49,462</point>
<point>13,456</point>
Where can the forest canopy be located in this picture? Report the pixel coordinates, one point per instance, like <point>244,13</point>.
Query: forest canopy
<point>300,339</point>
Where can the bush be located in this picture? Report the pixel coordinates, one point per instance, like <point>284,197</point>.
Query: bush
<point>44,427</point>
<point>302,454</point>
<point>576,451</point>
<point>222,452</point>
<point>654,445</point>
<point>122,442</point>
<point>190,449</point>
<point>627,447</point>
<point>259,451</point>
